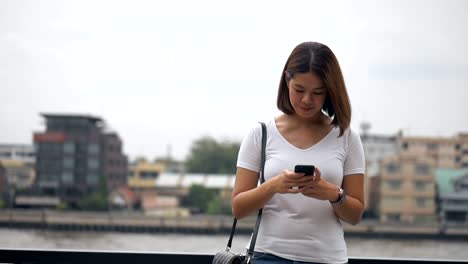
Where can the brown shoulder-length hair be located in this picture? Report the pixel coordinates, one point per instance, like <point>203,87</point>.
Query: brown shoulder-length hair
<point>317,58</point>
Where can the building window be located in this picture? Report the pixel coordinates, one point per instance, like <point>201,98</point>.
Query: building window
<point>68,163</point>
<point>457,159</point>
<point>67,177</point>
<point>421,168</point>
<point>93,149</point>
<point>422,202</point>
<point>93,164</point>
<point>456,217</point>
<point>393,168</point>
<point>392,201</point>
<point>404,146</point>
<point>69,147</point>
<point>148,175</point>
<point>92,178</point>
<point>457,146</point>
<point>393,184</point>
<point>420,185</point>
<point>432,146</point>
<point>5,154</point>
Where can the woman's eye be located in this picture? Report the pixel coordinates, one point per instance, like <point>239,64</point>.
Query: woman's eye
<point>319,93</point>
<point>299,91</point>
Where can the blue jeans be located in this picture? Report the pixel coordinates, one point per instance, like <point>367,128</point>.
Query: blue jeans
<point>267,258</point>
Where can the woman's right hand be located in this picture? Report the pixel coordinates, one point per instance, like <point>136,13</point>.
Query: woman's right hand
<point>286,180</point>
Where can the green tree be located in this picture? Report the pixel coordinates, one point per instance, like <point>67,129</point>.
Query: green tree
<point>97,200</point>
<point>219,205</point>
<point>199,197</point>
<point>210,156</point>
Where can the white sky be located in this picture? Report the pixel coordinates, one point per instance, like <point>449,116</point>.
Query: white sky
<point>169,72</point>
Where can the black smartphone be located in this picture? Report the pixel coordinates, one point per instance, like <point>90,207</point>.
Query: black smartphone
<point>307,169</point>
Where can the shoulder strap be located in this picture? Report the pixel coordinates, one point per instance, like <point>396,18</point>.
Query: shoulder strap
<point>262,180</point>
<point>259,216</point>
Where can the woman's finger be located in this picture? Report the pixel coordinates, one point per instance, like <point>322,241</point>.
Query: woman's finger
<point>317,174</point>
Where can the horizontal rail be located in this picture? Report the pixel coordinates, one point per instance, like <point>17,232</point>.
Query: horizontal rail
<point>36,256</point>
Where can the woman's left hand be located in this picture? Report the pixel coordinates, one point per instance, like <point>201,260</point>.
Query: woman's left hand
<point>321,189</point>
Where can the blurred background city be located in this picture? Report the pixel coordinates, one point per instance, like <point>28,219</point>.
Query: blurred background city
<point>121,121</point>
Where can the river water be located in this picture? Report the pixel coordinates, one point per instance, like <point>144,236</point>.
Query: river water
<point>195,243</point>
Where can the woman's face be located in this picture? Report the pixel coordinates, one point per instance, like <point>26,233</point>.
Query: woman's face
<point>307,94</point>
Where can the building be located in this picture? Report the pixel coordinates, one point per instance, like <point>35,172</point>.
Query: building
<point>3,183</point>
<point>449,153</point>
<point>376,148</point>
<point>19,174</point>
<point>452,190</point>
<point>143,174</point>
<point>114,162</point>
<point>76,155</point>
<point>372,205</point>
<point>21,152</point>
<point>407,189</point>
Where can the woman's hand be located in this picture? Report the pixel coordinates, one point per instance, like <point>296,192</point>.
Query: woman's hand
<point>286,180</point>
<point>319,188</point>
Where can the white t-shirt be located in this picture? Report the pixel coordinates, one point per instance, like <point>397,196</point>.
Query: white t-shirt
<point>295,226</point>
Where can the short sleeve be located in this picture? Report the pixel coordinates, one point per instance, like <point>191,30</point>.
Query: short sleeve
<point>355,160</point>
<point>249,153</point>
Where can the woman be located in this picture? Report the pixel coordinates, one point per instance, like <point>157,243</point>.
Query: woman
<point>301,214</point>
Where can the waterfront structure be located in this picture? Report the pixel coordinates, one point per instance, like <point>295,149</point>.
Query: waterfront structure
<point>449,153</point>
<point>123,197</point>
<point>76,155</point>
<point>142,175</point>
<point>407,189</point>
<point>20,152</point>
<point>452,190</point>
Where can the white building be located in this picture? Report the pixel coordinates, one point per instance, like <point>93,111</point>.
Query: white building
<point>20,152</point>
<point>377,147</point>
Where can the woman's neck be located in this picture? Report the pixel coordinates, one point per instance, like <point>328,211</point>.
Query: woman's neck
<point>318,120</point>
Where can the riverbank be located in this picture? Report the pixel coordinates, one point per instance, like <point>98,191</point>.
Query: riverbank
<point>370,248</point>
<point>204,224</point>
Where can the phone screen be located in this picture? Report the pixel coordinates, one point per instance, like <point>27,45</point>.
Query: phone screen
<point>307,169</point>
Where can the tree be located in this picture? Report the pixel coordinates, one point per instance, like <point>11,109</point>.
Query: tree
<point>219,205</point>
<point>199,197</point>
<point>97,200</point>
<point>209,156</point>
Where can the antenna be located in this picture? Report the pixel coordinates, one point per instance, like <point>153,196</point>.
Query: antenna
<point>169,152</point>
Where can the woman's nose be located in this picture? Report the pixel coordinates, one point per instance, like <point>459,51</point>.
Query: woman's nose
<point>307,98</point>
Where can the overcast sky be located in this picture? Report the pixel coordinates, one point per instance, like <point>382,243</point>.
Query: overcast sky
<point>168,72</point>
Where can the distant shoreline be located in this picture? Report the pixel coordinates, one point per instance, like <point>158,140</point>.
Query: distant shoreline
<point>134,222</point>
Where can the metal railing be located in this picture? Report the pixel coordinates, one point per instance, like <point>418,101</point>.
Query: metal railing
<point>36,256</point>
